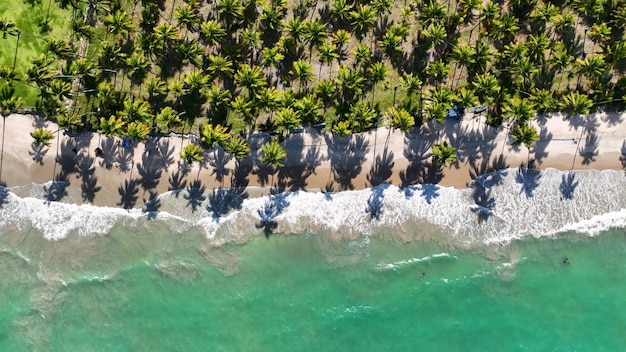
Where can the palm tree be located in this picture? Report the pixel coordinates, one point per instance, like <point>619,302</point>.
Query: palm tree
<point>41,137</point>
<point>8,105</point>
<point>443,154</point>
<point>61,49</point>
<point>251,78</point>
<point>187,17</point>
<point>340,38</point>
<point>157,91</point>
<point>400,119</point>
<point>238,147</point>
<point>326,91</point>
<point>316,32</point>
<point>273,156</point>
<point>166,119</point>
<point>363,20</point>
<point>524,133</point>
<point>575,104</point>
<point>137,110</point>
<point>212,33</point>
<point>307,108</point>
<point>271,57</point>
<point>230,11</point>
<point>212,135</point>
<point>341,11</point>
<point>137,131</point>
<point>342,128</point>
<point>377,73</point>
<point>138,68</point>
<point>327,54</point>
<point>220,66</point>
<point>113,126</point>
<point>350,82</point>
<point>592,67</point>
<point>286,120</point>
<point>192,153</point>
<point>302,72</point>
<point>119,23</point>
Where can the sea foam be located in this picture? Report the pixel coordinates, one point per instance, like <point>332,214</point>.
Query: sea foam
<point>495,209</point>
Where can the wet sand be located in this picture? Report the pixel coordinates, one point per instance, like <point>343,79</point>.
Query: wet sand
<point>128,176</point>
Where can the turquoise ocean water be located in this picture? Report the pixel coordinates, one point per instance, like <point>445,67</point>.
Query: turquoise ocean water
<point>136,284</point>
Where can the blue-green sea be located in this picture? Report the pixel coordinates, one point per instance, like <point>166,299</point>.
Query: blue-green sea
<point>147,285</point>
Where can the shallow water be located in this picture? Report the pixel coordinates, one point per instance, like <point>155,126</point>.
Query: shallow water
<point>412,279</point>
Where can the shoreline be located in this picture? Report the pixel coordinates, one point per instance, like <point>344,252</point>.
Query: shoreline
<point>127,177</point>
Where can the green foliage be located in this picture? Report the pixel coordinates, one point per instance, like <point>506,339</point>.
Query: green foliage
<point>238,147</point>
<point>211,135</point>
<point>443,154</point>
<point>41,137</point>
<point>273,154</point>
<point>524,133</point>
<point>137,131</point>
<point>575,104</point>
<point>400,119</point>
<point>192,153</point>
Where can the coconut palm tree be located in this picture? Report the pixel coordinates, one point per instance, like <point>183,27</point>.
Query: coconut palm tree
<point>113,126</point>
<point>119,22</point>
<point>187,17</point>
<point>61,49</point>
<point>138,68</point>
<point>286,119</point>
<point>526,134</point>
<point>238,147</point>
<point>137,131</point>
<point>443,154</point>
<point>575,104</point>
<point>303,73</point>
<point>251,78</point>
<point>166,119</point>
<point>376,74</point>
<point>212,33</point>
<point>315,33</point>
<point>340,11</point>
<point>307,108</point>
<point>212,135</point>
<point>273,156</point>
<point>327,54</point>
<point>231,12</point>
<point>363,19</point>
<point>350,82</point>
<point>192,153</point>
<point>220,66</point>
<point>8,105</point>
<point>137,110</point>
<point>401,119</point>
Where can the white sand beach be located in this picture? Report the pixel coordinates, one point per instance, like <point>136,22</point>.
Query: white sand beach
<point>127,176</point>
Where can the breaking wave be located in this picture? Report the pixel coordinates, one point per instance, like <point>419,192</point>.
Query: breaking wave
<point>494,209</point>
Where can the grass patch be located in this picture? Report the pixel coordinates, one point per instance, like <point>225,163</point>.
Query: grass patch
<point>30,18</point>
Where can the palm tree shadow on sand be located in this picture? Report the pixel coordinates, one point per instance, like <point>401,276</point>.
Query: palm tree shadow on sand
<point>590,150</point>
<point>528,177</point>
<point>274,206</point>
<point>152,205</point>
<point>195,195</point>
<point>38,152</point>
<point>568,185</point>
<point>346,160</point>
<point>375,202</point>
<point>222,201</point>
<point>128,193</point>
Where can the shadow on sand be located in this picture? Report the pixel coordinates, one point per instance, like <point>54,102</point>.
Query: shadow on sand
<point>346,157</point>
<point>528,177</point>
<point>274,206</point>
<point>568,185</point>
